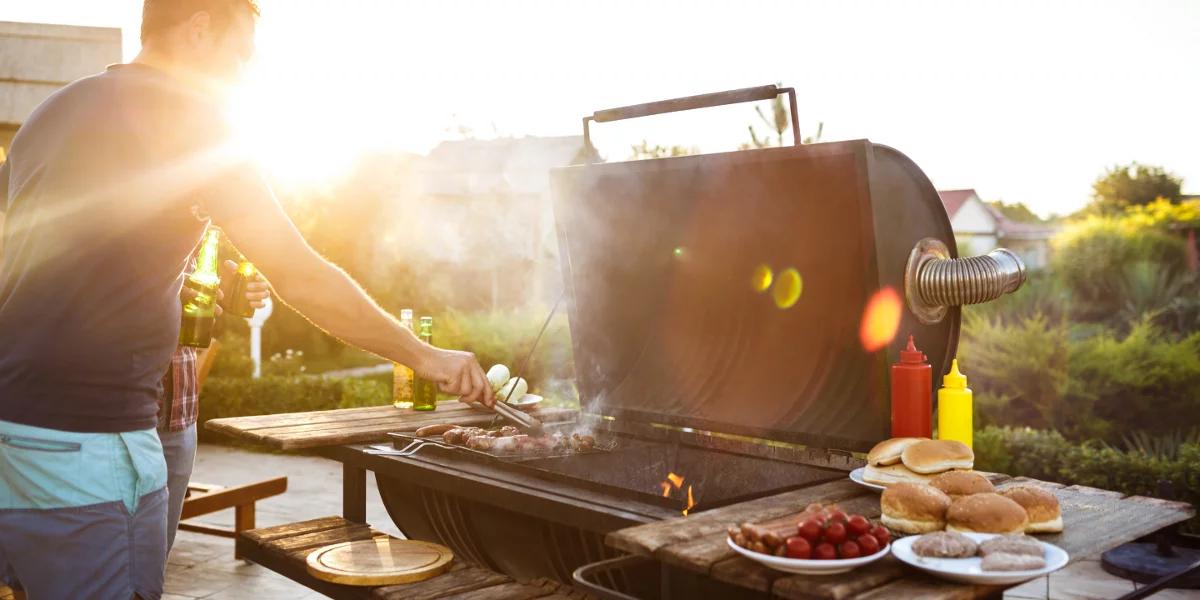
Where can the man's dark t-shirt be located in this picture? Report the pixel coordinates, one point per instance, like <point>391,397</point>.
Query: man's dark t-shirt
<point>101,188</point>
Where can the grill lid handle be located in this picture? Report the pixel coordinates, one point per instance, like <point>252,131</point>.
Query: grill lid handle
<point>752,94</point>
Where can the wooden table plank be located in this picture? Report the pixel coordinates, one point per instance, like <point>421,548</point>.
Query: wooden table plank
<point>285,548</point>
<point>463,578</point>
<point>838,587</point>
<point>504,591</point>
<point>357,425</point>
<point>1094,521</point>
<point>646,539</point>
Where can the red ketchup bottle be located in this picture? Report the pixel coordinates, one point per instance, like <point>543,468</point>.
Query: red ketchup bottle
<point>912,394</point>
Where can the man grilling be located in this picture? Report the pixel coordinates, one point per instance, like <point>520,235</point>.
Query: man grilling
<point>102,187</point>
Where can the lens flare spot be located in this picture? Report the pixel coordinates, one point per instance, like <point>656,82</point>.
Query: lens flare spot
<point>788,287</point>
<point>763,276</point>
<point>678,252</point>
<point>880,320</point>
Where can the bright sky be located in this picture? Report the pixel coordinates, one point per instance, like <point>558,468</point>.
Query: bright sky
<point>1024,101</point>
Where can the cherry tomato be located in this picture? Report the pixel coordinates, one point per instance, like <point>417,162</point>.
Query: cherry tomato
<point>798,547</point>
<point>825,551</point>
<point>857,525</point>
<point>835,533</point>
<point>837,516</point>
<point>880,533</point>
<point>868,544</point>
<point>811,530</point>
<point>849,550</point>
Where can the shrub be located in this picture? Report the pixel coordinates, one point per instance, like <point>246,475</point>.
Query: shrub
<point>1145,380</point>
<point>506,336</point>
<point>1084,381</point>
<point>1093,256</point>
<point>1047,455</point>
<point>240,396</point>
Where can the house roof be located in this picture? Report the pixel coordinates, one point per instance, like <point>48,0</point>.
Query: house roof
<point>955,199</point>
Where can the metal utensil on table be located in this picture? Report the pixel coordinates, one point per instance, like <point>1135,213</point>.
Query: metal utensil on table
<point>520,418</point>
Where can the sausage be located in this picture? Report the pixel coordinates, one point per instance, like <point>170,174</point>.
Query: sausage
<point>752,532</point>
<point>435,429</point>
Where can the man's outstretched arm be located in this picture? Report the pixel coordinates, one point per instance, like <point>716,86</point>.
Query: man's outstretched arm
<point>326,295</point>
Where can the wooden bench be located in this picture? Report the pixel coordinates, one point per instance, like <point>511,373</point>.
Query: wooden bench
<point>203,498</point>
<point>284,548</point>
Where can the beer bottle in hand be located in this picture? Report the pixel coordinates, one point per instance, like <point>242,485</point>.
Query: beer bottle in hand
<point>425,391</point>
<point>238,303</point>
<point>199,312</point>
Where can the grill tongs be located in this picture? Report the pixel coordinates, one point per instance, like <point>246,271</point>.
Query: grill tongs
<point>521,419</point>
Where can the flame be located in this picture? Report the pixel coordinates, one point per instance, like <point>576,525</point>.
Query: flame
<point>881,319</point>
<point>674,481</point>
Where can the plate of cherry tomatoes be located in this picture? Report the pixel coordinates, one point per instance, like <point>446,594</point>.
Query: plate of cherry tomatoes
<point>821,541</point>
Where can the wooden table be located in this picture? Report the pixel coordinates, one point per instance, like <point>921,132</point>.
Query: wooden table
<point>284,548</point>
<point>1094,521</point>
<point>294,431</point>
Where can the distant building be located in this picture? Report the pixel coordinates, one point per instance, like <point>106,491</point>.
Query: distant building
<point>980,228</point>
<point>482,210</point>
<point>37,59</point>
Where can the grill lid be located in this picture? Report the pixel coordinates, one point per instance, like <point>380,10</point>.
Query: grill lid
<point>663,263</point>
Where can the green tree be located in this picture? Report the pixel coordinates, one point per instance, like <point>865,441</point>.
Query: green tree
<point>779,122</point>
<point>1017,211</point>
<point>1135,184</point>
<point>645,150</point>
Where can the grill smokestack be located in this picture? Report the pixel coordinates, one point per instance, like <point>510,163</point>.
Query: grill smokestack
<point>934,282</point>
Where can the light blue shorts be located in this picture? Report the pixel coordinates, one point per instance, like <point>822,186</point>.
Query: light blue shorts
<point>82,515</point>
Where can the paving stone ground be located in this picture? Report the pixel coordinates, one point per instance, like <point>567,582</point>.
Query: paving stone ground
<point>203,566</point>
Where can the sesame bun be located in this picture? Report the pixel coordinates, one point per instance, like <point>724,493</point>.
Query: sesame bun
<point>888,452</point>
<point>891,474</point>
<point>1045,515</point>
<point>935,456</point>
<point>961,483</point>
<point>986,513</point>
<point>913,508</point>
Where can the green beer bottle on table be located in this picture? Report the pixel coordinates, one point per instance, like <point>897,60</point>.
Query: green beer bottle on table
<point>425,391</point>
<point>402,375</point>
<point>199,313</point>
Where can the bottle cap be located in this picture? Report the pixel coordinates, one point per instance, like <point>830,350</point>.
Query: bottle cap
<point>910,354</point>
<point>954,379</point>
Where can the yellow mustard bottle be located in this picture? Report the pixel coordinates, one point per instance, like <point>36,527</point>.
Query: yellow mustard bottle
<point>955,420</point>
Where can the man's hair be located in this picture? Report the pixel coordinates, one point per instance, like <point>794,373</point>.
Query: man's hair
<point>161,15</point>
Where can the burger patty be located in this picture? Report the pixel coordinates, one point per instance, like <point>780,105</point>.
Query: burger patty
<point>944,544</point>
<point>1011,544</point>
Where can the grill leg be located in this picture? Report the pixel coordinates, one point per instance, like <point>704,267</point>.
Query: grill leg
<point>354,493</point>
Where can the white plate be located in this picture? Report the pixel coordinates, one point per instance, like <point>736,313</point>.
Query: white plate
<point>967,570</point>
<point>857,477</point>
<point>807,567</point>
<point>526,401</point>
